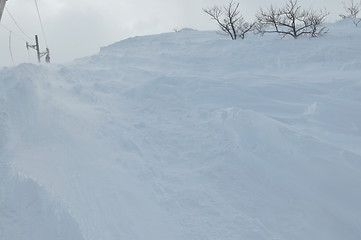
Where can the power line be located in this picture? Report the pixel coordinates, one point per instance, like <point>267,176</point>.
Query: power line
<point>11,34</point>
<point>21,30</point>
<point>11,52</point>
<point>17,35</point>
<point>41,23</point>
<point>36,47</point>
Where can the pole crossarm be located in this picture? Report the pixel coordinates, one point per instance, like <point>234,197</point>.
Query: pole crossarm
<point>37,48</point>
<point>31,46</point>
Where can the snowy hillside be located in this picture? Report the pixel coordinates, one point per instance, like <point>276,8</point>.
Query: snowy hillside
<point>186,135</point>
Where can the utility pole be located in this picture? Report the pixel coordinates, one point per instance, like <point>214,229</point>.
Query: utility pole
<point>37,48</point>
<point>2,6</point>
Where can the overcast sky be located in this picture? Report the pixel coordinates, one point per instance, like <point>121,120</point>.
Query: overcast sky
<point>78,28</point>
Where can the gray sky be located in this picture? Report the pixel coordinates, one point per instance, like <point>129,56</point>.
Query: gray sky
<point>78,28</point>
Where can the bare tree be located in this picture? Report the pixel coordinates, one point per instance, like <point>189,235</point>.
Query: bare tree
<point>291,20</point>
<point>352,9</point>
<point>230,20</point>
<point>244,27</point>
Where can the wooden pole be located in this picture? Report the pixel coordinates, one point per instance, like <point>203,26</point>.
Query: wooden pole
<point>37,47</point>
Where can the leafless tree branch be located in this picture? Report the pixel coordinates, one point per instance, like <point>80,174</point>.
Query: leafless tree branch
<point>291,20</point>
<point>230,20</point>
<point>352,10</point>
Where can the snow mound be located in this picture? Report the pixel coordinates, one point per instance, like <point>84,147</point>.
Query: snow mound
<point>186,135</point>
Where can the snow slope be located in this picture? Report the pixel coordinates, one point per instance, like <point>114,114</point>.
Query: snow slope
<point>186,135</point>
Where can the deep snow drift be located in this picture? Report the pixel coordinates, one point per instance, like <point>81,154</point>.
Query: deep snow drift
<point>186,135</point>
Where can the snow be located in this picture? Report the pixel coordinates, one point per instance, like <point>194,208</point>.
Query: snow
<point>186,135</point>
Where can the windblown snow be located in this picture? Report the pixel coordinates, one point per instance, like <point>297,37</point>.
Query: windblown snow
<point>186,135</point>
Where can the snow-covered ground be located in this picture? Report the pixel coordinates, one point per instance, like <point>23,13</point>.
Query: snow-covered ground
<point>186,135</point>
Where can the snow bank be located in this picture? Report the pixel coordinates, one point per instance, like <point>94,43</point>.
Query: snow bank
<point>27,210</point>
<point>186,135</point>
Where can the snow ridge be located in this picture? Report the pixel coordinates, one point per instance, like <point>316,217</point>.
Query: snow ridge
<point>186,135</point>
